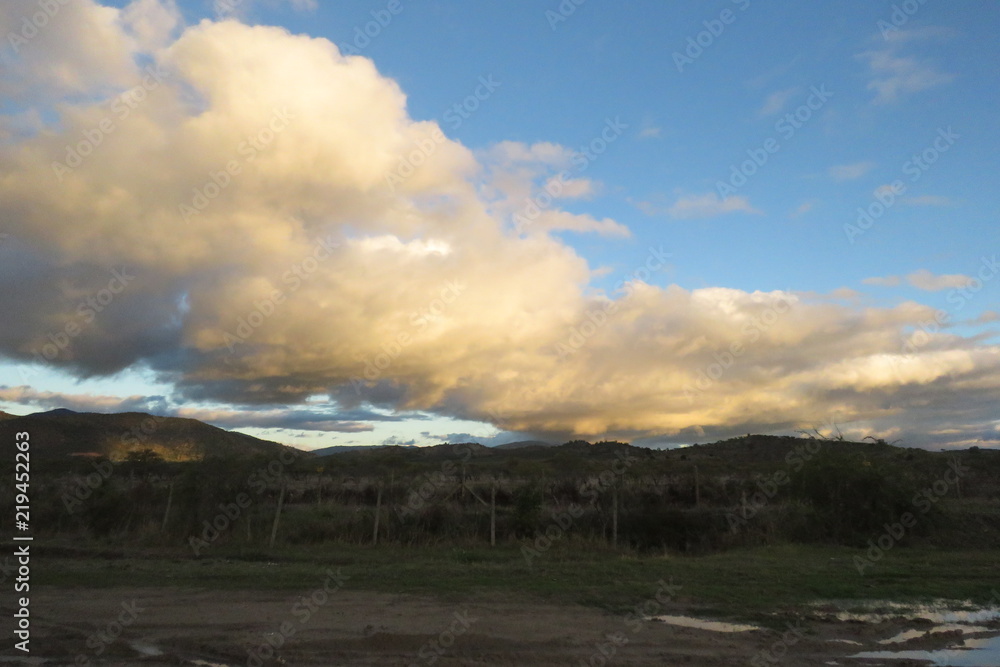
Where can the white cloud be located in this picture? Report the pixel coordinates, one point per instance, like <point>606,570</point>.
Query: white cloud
<point>650,132</point>
<point>776,101</point>
<point>922,280</point>
<point>896,76</point>
<point>571,188</point>
<point>709,206</point>
<point>151,22</point>
<point>242,8</point>
<point>930,282</point>
<point>81,48</point>
<point>302,419</point>
<point>429,300</point>
<point>803,208</point>
<point>850,172</point>
<point>887,281</point>
<point>47,400</point>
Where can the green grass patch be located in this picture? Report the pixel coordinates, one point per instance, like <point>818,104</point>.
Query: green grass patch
<point>740,583</point>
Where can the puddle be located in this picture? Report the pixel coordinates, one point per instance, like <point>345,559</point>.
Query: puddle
<point>907,635</point>
<point>699,624</point>
<point>144,648</point>
<point>149,650</point>
<point>939,611</point>
<point>969,653</point>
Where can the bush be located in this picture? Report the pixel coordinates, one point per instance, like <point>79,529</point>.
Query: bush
<point>849,497</point>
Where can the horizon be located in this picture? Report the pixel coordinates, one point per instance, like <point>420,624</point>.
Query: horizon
<point>372,223</point>
<point>803,435</point>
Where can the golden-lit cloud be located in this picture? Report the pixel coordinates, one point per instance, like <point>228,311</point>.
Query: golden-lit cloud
<point>281,228</point>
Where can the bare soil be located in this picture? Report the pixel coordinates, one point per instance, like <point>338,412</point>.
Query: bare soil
<point>168,626</point>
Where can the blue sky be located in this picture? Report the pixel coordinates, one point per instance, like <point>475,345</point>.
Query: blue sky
<point>878,91</point>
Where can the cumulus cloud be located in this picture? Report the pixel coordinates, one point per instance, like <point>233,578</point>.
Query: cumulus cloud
<point>524,182</point>
<point>82,47</point>
<point>279,242</point>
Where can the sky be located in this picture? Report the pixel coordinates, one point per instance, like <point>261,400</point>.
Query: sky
<point>396,222</point>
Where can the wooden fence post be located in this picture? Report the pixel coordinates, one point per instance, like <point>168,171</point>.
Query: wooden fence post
<point>378,515</point>
<point>166,513</point>
<point>277,514</point>
<point>493,514</point>
<point>614,516</point>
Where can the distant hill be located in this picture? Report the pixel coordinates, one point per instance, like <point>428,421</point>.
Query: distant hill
<point>340,449</point>
<point>5,415</point>
<point>525,443</point>
<point>743,456</point>
<point>62,433</point>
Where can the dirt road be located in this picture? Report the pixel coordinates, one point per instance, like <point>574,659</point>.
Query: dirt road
<point>168,626</point>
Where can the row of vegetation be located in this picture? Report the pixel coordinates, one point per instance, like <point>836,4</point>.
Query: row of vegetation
<point>704,499</point>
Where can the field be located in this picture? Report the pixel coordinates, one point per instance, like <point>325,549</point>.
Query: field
<point>384,556</point>
<point>481,606</point>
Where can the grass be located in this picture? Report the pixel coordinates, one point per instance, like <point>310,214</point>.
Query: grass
<point>741,583</point>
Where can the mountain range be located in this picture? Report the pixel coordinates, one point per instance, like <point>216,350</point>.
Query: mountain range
<point>61,433</point>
